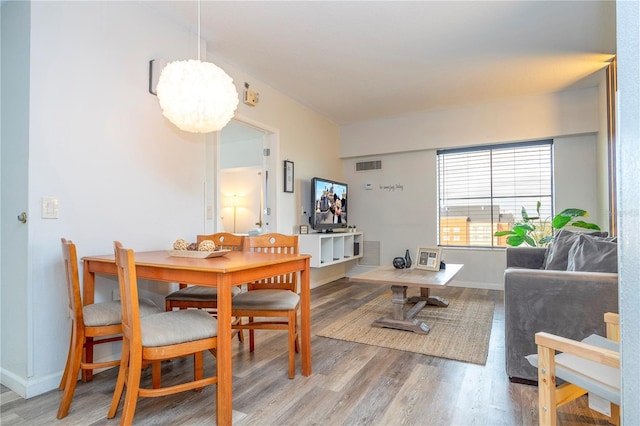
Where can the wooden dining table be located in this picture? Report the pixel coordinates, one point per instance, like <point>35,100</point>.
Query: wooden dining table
<point>224,272</point>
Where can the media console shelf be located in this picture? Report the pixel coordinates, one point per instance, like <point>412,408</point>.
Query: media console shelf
<point>332,248</point>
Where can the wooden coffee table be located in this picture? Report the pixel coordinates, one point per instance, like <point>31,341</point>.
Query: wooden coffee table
<point>400,280</point>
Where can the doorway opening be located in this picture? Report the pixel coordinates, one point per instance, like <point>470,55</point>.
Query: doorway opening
<point>245,188</point>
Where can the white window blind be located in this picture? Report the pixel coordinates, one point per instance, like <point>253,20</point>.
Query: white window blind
<point>483,189</point>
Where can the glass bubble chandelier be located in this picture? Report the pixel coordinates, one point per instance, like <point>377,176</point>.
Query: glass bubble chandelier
<point>197,96</point>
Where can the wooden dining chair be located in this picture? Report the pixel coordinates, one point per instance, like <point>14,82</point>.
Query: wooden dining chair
<point>90,325</point>
<point>154,338</point>
<point>275,297</point>
<point>201,297</point>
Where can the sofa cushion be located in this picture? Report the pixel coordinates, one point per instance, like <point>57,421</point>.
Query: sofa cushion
<point>593,254</point>
<point>558,250</point>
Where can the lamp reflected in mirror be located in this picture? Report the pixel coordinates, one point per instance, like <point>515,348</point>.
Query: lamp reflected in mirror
<point>235,212</point>
<point>235,203</point>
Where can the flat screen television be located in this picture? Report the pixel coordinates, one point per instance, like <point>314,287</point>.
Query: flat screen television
<point>328,204</point>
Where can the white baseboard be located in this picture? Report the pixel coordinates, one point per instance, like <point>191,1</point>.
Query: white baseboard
<point>37,386</point>
<point>359,269</point>
<point>30,388</point>
<point>13,382</point>
<point>476,284</point>
<point>327,279</point>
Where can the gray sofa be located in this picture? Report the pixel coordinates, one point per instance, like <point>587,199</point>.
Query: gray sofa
<point>566,303</point>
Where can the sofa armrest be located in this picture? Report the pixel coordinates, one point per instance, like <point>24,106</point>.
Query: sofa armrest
<point>566,303</point>
<point>525,257</point>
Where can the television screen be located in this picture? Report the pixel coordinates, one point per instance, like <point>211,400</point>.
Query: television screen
<point>329,204</point>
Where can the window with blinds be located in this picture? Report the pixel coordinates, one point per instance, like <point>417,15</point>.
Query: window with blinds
<point>482,190</point>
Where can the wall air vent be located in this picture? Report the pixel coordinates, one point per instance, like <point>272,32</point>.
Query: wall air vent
<point>368,165</point>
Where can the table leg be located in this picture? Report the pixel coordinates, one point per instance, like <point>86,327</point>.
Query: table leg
<point>402,319</point>
<point>399,300</point>
<point>224,394</point>
<point>305,319</point>
<point>430,300</point>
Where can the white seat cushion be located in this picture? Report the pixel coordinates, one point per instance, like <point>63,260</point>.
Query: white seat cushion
<point>170,328</point>
<point>110,313</point>
<point>268,300</point>
<point>198,293</point>
<point>597,378</point>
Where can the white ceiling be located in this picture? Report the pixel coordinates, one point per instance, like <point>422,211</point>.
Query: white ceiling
<point>360,60</point>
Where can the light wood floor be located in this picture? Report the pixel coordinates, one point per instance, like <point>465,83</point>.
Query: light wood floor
<point>352,384</point>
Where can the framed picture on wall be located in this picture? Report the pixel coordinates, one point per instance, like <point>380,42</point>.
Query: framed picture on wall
<point>428,258</point>
<point>288,176</point>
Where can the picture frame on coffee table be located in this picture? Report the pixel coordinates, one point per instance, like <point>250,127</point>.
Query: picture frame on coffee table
<point>428,258</point>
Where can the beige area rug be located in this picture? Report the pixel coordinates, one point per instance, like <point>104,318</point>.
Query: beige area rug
<point>460,331</point>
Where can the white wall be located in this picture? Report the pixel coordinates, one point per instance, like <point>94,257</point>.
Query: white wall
<point>576,177</point>
<point>406,217</point>
<point>536,117</point>
<point>628,24</point>
<point>98,142</point>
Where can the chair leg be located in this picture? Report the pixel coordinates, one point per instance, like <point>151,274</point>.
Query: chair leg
<point>63,380</point>
<point>292,344</point>
<point>547,414</point>
<point>197,367</point>
<point>156,374</point>
<point>122,374</point>
<point>87,375</point>
<point>73,364</point>
<point>133,386</point>
<point>252,339</point>
<point>240,332</point>
<point>297,335</point>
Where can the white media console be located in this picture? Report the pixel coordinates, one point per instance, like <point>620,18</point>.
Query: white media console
<point>331,248</point>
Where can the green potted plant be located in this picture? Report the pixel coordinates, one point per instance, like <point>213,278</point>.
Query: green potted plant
<point>538,232</point>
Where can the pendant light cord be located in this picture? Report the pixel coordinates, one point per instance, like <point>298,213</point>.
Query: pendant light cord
<point>198,30</point>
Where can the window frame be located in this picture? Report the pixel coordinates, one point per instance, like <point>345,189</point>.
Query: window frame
<point>493,199</point>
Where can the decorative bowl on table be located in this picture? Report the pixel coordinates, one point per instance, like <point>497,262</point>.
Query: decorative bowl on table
<point>197,254</point>
<point>203,250</point>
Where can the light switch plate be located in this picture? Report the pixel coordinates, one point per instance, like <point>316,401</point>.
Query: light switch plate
<point>49,208</point>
